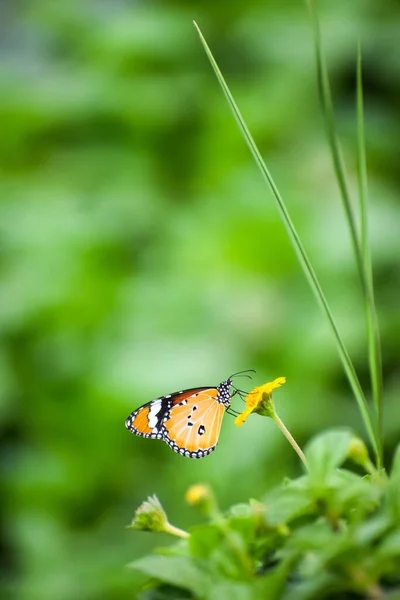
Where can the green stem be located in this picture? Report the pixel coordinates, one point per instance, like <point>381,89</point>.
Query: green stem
<point>370,467</point>
<point>289,437</point>
<point>176,531</point>
<point>234,542</point>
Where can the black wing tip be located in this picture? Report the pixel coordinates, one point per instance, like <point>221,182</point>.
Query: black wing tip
<point>129,420</point>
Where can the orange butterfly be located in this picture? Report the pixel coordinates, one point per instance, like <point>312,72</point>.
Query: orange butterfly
<point>188,421</point>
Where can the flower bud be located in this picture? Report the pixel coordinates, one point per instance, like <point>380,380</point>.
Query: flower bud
<point>358,452</point>
<point>202,497</point>
<point>150,516</point>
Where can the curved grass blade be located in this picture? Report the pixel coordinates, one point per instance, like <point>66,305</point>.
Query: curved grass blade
<point>299,248</point>
<point>359,242</point>
<point>374,343</point>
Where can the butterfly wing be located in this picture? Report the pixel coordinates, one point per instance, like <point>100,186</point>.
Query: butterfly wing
<point>193,423</point>
<point>148,420</point>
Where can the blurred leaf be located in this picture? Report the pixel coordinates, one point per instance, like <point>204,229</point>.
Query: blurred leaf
<point>231,590</point>
<point>390,547</point>
<point>203,540</point>
<point>245,519</point>
<point>368,532</point>
<point>178,571</point>
<point>319,586</point>
<point>318,535</point>
<point>349,495</point>
<point>288,502</point>
<point>327,451</point>
<point>242,510</point>
<point>225,563</point>
<point>164,592</point>
<point>272,584</point>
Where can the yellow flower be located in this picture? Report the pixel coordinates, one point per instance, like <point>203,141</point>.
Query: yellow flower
<point>201,496</point>
<point>197,494</point>
<point>259,400</point>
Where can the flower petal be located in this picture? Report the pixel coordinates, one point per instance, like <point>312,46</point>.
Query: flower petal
<point>256,395</point>
<point>256,400</point>
<point>240,419</point>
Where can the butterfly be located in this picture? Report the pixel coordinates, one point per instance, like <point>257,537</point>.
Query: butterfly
<point>189,421</point>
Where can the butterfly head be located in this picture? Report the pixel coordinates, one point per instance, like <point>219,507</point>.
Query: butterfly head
<point>224,389</point>
<point>236,390</point>
<point>224,392</point>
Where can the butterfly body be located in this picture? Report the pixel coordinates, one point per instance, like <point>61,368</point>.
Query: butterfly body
<point>189,421</point>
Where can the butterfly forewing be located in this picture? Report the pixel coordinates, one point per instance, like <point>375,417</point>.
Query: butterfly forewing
<point>192,427</point>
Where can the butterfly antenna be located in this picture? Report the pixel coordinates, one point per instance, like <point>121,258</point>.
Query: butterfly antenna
<point>243,373</point>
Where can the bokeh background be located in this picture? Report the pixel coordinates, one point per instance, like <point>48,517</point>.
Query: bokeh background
<point>142,253</point>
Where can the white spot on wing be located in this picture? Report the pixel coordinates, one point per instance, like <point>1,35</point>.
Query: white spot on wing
<point>154,410</point>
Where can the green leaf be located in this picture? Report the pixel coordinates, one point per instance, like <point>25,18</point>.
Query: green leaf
<point>390,547</point>
<point>231,590</point>
<point>372,530</point>
<point>327,451</point>
<point>220,548</point>
<point>241,510</point>
<point>352,493</point>
<point>203,540</point>
<point>316,536</point>
<point>288,502</point>
<point>271,585</point>
<point>179,571</point>
<point>245,518</point>
<point>315,587</point>
<point>165,592</point>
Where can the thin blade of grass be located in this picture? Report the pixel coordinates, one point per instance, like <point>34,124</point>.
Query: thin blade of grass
<point>299,248</point>
<point>360,246</point>
<point>374,343</point>
<point>362,162</point>
<point>329,119</point>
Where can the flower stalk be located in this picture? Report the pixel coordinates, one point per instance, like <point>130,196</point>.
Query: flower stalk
<point>260,401</point>
<point>202,497</point>
<point>290,438</point>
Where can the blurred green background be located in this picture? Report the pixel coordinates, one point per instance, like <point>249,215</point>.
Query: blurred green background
<point>141,253</point>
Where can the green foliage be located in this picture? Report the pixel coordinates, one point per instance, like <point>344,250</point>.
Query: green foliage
<point>327,451</point>
<point>139,255</point>
<point>325,534</point>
